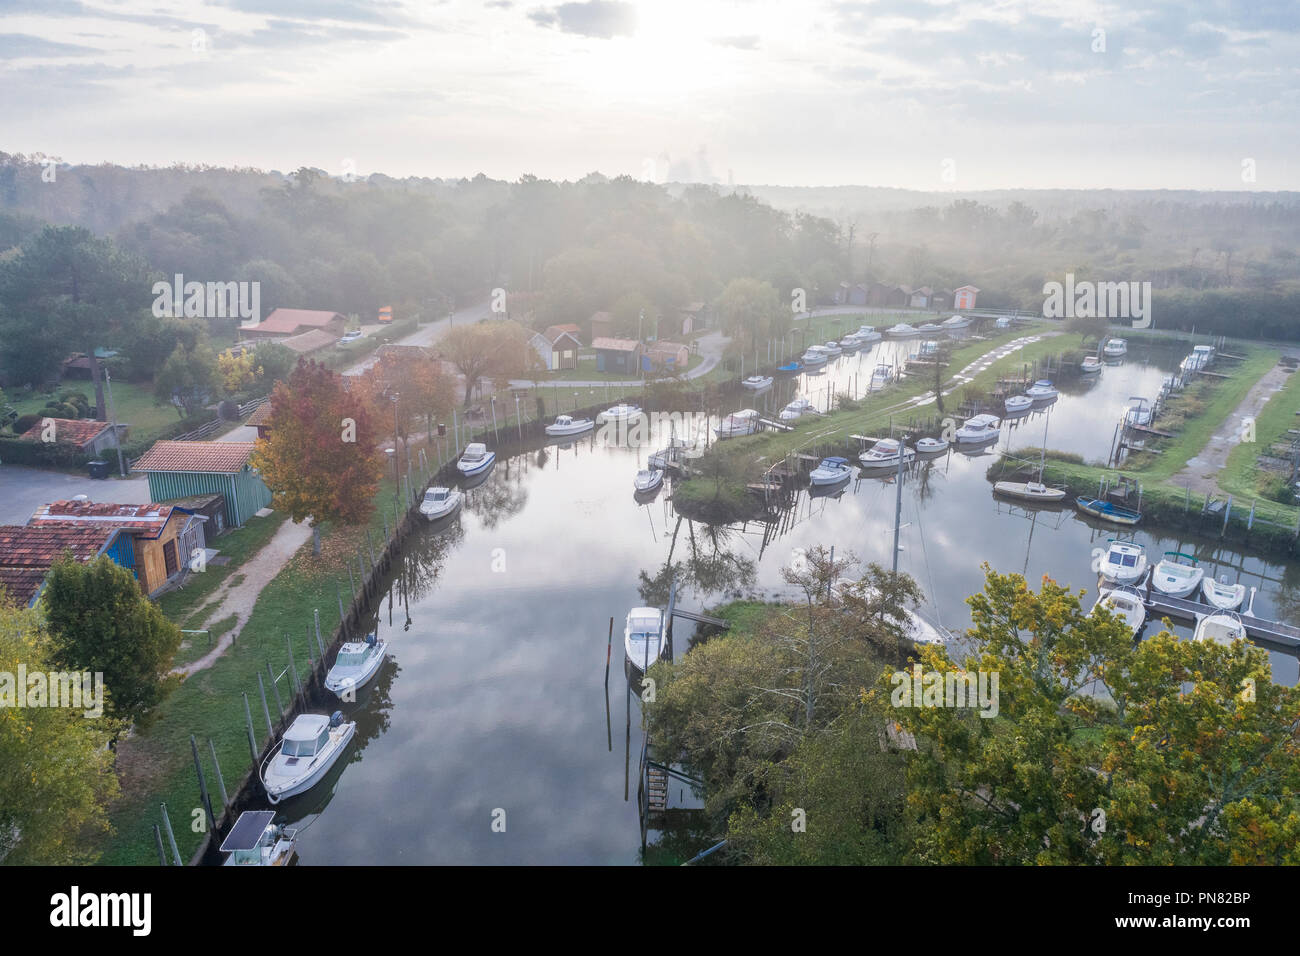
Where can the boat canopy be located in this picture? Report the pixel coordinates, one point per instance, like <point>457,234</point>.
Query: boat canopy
<point>475,450</point>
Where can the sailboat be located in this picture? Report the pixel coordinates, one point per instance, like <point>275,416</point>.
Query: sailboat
<point>1032,490</point>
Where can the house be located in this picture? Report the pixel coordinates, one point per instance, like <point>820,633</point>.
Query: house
<point>617,355</point>
<point>27,552</point>
<point>921,298</point>
<point>261,419</point>
<point>964,298</point>
<point>879,295</point>
<point>602,325</point>
<point>694,317</point>
<point>851,294</point>
<point>157,542</point>
<point>177,469</point>
<point>557,346</point>
<point>212,507</point>
<point>89,436</point>
<point>665,356</point>
<point>284,323</point>
<point>305,343</point>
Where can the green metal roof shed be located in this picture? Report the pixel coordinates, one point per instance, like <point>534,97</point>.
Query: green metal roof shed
<point>179,469</point>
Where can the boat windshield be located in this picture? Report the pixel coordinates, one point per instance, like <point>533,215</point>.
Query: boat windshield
<point>298,748</point>
<point>350,659</point>
<point>1123,560</point>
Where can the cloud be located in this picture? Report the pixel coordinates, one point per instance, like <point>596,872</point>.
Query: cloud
<point>357,11</point>
<point>14,45</point>
<point>738,43</point>
<point>603,19</point>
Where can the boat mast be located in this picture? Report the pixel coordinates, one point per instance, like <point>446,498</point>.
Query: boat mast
<point>898,497</point>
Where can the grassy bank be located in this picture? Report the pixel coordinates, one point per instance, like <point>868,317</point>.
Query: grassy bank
<point>1241,475</point>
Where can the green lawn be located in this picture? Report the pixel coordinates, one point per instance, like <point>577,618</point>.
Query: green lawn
<point>133,403</point>
<point>1240,475</point>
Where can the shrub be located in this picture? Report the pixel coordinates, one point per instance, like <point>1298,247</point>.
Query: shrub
<point>25,422</point>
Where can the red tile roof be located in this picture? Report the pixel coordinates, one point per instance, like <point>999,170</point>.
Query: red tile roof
<point>554,333</point>
<point>147,519</point>
<point>261,414</point>
<point>70,431</point>
<point>26,553</point>
<point>288,321</point>
<point>208,457</point>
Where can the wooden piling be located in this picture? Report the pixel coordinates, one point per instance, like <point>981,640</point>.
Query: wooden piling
<point>252,736</point>
<point>157,841</point>
<point>171,837</point>
<point>221,782</point>
<point>203,784</point>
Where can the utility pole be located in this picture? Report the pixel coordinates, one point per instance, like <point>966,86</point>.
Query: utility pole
<point>898,497</point>
<point>112,417</point>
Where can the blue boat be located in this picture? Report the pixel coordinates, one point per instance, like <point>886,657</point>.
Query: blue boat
<point>790,368</point>
<point>476,459</point>
<point>1107,511</point>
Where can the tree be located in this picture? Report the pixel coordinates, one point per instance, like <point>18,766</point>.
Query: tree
<point>189,378</point>
<point>322,460</point>
<point>496,350</point>
<point>100,621</point>
<point>750,308</point>
<point>58,779</point>
<point>418,385</point>
<point>1095,327</point>
<point>1165,752</point>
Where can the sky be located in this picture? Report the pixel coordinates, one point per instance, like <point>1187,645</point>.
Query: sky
<point>950,95</point>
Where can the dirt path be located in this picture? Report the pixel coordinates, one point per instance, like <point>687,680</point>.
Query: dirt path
<point>1201,473</point>
<point>240,598</point>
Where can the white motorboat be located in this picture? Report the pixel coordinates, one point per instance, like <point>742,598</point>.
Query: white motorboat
<point>1139,412</point>
<point>931,446</point>
<point>929,328</point>
<point>756,383</point>
<point>797,409</point>
<point>1125,603</point>
<point>866,333</point>
<point>648,479</point>
<point>814,356</point>
<point>1090,365</point>
<point>1189,364</point>
<point>257,840</point>
<point>1029,491</point>
<point>882,375</point>
<point>926,350</point>
<point>901,331</point>
<point>476,459</point>
<point>305,754</point>
<point>1003,322</point>
<point>1205,354</point>
<point>849,343</point>
<point>978,430</point>
<point>832,348</point>
<point>620,413</point>
<point>1114,348</point>
<point>956,323</point>
<point>357,662</point>
<point>1221,626</point>
<point>643,636</point>
<point>1016,404</point>
<point>831,471</point>
<point>1222,595</point>
<point>1175,577</point>
<point>1125,562</point>
<point>885,454</point>
<point>1041,389</point>
<point>566,425</point>
<point>743,422</point>
<point>440,502</point>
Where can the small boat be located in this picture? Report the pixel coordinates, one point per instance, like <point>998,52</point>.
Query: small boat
<point>1018,403</point>
<point>914,625</point>
<point>882,375</point>
<point>1204,354</point>
<point>901,331</point>
<point>927,350</point>
<point>566,425</point>
<point>849,343</point>
<point>1003,322</point>
<point>956,323</point>
<point>305,754</point>
<point>643,637</point>
<point>797,409</point>
<point>885,454</point>
<point>814,356</point>
<point>440,502</point>
<point>1029,491</point>
<point>831,471</point>
<point>1042,389</point>
<point>648,479</point>
<point>476,459</point>
<point>1221,626</point>
<point>1125,603</point>
<point>756,383</point>
<point>1139,412</point>
<point>620,413</point>
<point>257,840</point>
<point>790,368</point>
<point>1125,562</point>
<point>1090,365</point>
<point>832,348</point>
<point>356,663</point>
<point>1115,348</point>
<point>979,429</point>
<point>931,446</point>
<point>929,328</point>
<point>1107,511</point>
<point>1222,595</point>
<point>866,333</point>
<point>1189,364</point>
<point>1177,578</point>
<point>743,422</point>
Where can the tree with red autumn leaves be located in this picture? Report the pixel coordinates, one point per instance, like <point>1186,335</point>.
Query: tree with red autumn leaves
<point>322,459</point>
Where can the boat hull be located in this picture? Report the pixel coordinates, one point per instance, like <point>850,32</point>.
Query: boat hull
<point>476,468</point>
<point>1029,491</point>
<point>1107,512</point>
<point>282,785</point>
<point>561,431</point>
<point>340,685</point>
<point>1168,580</point>
<point>1225,597</point>
<point>438,512</point>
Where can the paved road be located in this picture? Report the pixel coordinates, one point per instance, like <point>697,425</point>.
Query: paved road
<point>23,490</point>
<point>428,334</point>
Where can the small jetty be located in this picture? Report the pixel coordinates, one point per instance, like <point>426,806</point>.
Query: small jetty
<point>1282,635</point>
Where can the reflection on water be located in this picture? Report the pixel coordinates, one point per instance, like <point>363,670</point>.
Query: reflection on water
<point>500,625</point>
